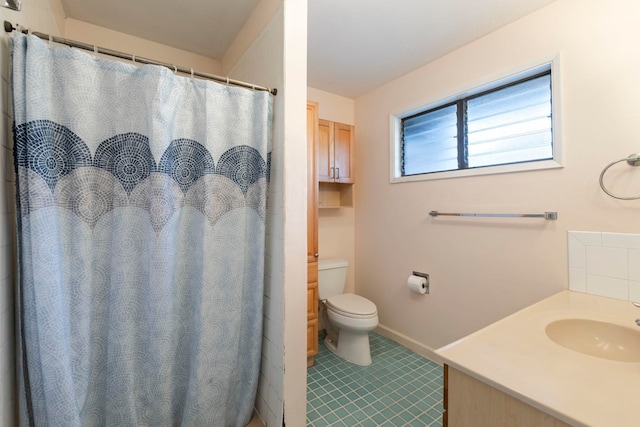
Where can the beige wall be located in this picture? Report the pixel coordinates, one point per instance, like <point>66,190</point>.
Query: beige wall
<point>336,237</point>
<point>333,107</point>
<point>115,40</point>
<point>295,211</point>
<point>484,269</point>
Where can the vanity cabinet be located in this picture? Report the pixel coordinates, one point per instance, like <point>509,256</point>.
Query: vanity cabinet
<point>470,402</point>
<point>335,152</point>
<point>312,232</point>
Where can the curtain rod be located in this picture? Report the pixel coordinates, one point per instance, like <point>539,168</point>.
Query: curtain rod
<point>8,27</point>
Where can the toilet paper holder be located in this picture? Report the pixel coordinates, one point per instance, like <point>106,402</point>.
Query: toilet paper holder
<point>425,275</point>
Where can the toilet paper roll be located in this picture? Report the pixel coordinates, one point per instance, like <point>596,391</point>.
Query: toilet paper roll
<point>417,284</point>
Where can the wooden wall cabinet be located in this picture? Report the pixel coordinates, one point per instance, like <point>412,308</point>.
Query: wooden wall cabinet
<point>334,162</point>
<point>312,233</point>
<point>330,148</point>
<point>335,152</point>
<point>470,402</point>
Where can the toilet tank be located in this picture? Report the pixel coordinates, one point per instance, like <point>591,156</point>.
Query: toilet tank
<point>332,275</point>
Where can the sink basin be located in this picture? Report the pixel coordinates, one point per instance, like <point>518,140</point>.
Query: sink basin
<point>594,338</point>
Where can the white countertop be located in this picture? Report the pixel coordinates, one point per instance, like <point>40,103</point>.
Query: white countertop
<point>515,356</point>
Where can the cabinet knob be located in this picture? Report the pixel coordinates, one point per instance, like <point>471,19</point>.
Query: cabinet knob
<point>316,255</point>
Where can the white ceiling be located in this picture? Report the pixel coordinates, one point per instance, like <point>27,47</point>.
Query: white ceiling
<point>206,27</point>
<point>354,46</point>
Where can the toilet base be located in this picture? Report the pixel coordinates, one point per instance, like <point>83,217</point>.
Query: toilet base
<point>353,347</point>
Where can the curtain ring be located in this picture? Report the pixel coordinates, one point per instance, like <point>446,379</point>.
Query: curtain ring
<point>227,80</point>
<point>50,39</point>
<point>175,69</point>
<point>95,49</point>
<point>133,58</point>
<point>192,73</point>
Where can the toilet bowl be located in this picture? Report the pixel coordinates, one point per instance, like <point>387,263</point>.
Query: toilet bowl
<point>349,318</point>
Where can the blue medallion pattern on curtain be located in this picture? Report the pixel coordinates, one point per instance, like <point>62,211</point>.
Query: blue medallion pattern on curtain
<point>141,205</point>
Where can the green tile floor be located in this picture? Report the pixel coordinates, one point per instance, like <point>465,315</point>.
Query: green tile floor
<point>400,388</point>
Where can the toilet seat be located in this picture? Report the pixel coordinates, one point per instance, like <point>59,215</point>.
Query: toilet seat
<point>352,305</point>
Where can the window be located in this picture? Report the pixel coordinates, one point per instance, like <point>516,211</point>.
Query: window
<point>509,123</point>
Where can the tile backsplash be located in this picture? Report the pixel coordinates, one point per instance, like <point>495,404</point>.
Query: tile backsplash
<point>606,264</point>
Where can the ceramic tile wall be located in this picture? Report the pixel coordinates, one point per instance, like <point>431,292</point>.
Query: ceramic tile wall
<point>251,67</point>
<point>7,218</point>
<point>606,264</point>
<point>48,17</point>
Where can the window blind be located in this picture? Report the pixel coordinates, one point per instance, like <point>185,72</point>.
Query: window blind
<point>509,124</point>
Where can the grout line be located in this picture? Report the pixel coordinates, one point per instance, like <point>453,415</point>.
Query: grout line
<point>360,384</point>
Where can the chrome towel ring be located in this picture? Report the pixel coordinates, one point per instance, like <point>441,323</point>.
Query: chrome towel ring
<point>632,160</point>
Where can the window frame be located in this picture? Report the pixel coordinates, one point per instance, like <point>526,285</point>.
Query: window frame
<point>551,65</point>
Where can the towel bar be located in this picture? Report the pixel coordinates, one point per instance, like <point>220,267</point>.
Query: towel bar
<point>546,215</point>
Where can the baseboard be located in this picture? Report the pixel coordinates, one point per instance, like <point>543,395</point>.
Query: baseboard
<point>409,343</point>
<point>256,420</point>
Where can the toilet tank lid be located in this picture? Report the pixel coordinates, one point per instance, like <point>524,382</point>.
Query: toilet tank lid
<point>327,264</point>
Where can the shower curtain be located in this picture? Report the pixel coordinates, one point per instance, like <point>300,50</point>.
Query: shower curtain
<point>141,218</point>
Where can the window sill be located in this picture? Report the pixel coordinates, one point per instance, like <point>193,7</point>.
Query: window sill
<point>490,170</point>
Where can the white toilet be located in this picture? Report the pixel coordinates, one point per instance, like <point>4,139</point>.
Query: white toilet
<point>348,317</point>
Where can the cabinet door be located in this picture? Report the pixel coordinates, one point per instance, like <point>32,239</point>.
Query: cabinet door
<point>312,301</point>
<point>312,232</point>
<point>325,160</point>
<point>312,340</point>
<point>470,402</point>
<point>343,144</point>
<point>312,182</point>
<point>312,311</point>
